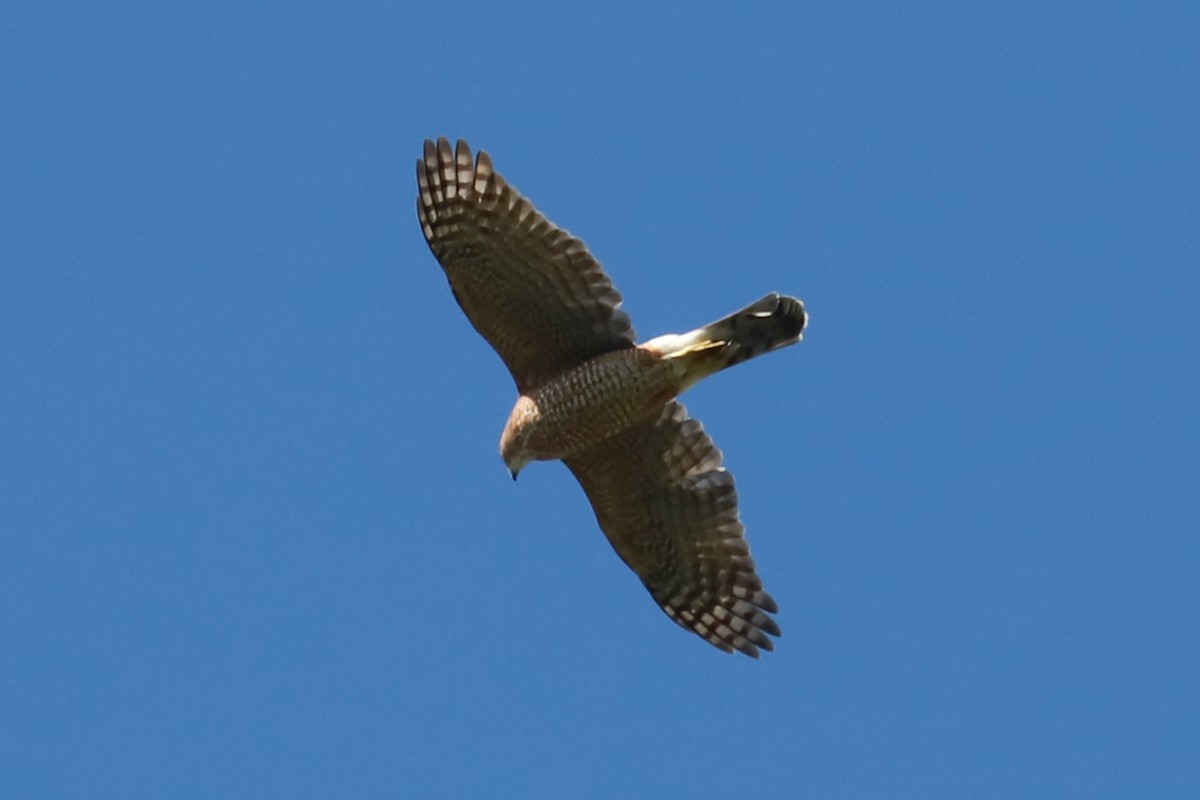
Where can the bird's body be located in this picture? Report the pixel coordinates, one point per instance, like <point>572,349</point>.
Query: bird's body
<point>589,395</point>
<point>611,392</point>
<point>587,404</point>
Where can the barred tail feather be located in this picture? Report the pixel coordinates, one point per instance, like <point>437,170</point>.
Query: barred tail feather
<point>770,323</point>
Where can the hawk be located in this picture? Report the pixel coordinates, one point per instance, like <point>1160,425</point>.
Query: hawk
<point>590,395</point>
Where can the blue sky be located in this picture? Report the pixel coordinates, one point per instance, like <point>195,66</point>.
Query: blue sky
<point>255,536</point>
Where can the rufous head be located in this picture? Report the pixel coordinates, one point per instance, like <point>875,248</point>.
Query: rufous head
<point>515,438</point>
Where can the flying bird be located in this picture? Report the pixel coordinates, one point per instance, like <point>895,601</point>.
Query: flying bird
<point>590,395</point>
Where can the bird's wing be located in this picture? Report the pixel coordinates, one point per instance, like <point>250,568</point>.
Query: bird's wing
<point>531,289</point>
<point>670,511</point>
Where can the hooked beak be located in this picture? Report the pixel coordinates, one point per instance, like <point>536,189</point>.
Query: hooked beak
<point>515,466</point>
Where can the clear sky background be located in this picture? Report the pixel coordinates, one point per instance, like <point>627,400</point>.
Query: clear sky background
<point>255,536</point>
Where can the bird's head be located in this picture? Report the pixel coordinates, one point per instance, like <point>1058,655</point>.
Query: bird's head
<point>515,438</point>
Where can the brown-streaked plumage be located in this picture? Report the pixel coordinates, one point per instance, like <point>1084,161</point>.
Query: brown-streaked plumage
<point>590,395</point>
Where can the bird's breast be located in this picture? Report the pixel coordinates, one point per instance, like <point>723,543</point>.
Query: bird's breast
<point>598,399</point>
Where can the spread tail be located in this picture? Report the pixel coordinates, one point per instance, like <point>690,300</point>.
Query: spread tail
<point>770,323</point>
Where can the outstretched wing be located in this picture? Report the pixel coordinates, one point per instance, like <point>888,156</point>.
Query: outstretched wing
<point>670,511</point>
<point>531,289</point>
